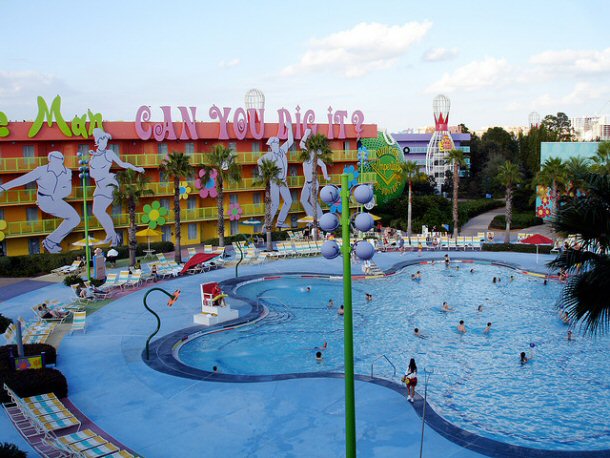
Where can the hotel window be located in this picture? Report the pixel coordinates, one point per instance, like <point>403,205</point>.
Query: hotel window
<point>189,148</point>
<point>192,231</point>
<point>233,146</point>
<point>114,147</point>
<point>346,145</point>
<point>34,245</point>
<point>1,210</point>
<point>167,233</point>
<point>28,154</point>
<point>162,149</point>
<point>234,227</point>
<point>83,149</point>
<point>31,214</point>
<point>233,198</point>
<point>294,221</point>
<point>122,238</point>
<point>256,147</point>
<point>191,203</point>
<point>163,178</point>
<point>257,198</point>
<point>256,173</point>
<point>117,209</point>
<point>292,171</point>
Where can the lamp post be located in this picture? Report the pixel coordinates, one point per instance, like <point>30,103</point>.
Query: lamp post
<point>84,173</point>
<point>172,299</point>
<point>365,251</point>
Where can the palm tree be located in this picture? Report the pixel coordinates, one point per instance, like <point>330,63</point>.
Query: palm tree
<point>577,168</point>
<point>552,175</point>
<point>132,187</point>
<point>177,166</point>
<point>316,149</point>
<point>455,157</point>
<point>268,173</point>
<point>223,161</point>
<point>409,171</point>
<point>585,296</point>
<point>601,160</point>
<point>508,176</point>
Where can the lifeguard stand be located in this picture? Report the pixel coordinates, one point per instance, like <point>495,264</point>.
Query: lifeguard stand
<point>214,309</point>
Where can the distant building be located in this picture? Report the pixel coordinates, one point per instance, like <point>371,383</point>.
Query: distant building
<point>588,128</point>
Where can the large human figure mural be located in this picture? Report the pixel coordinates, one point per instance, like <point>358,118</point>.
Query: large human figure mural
<point>100,162</point>
<point>54,182</point>
<point>309,200</point>
<point>278,155</point>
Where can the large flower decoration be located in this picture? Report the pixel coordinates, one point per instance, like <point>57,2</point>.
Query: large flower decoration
<point>185,189</point>
<point>206,185</point>
<point>353,175</point>
<point>3,226</point>
<point>543,211</point>
<point>154,215</point>
<point>235,212</point>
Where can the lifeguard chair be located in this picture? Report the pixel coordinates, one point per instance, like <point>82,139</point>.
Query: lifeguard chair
<point>214,308</point>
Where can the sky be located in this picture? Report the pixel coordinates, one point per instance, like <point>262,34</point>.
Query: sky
<point>496,61</point>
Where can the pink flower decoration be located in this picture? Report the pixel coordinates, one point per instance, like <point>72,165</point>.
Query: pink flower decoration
<point>207,187</point>
<point>235,212</point>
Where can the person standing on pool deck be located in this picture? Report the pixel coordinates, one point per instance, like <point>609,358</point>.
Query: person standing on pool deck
<point>410,379</point>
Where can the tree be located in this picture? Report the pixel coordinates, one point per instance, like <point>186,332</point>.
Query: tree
<point>410,172</point>
<point>268,172</point>
<point>223,161</point>
<point>585,295</point>
<point>560,125</point>
<point>577,169</point>
<point>508,176</point>
<point>178,167</point>
<point>553,175</point>
<point>132,187</point>
<point>601,160</point>
<point>316,149</point>
<point>455,157</point>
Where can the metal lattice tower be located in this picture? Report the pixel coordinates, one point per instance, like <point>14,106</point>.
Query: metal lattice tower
<point>441,142</point>
<point>534,119</point>
<point>255,99</point>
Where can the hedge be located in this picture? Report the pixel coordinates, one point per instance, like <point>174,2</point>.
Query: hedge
<point>517,248</point>
<point>32,382</point>
<point>28,350</point>
<point>275,236</point>
<point>11,451</point>
<point>519,221</point>
<point>43,263</point>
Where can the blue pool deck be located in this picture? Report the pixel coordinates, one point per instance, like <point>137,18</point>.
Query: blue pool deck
<point>160,415</point>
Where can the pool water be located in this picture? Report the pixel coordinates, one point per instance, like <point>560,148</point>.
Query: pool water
<point>558,400</point>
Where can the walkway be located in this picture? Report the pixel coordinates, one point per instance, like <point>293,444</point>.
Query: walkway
<point>160,415</point>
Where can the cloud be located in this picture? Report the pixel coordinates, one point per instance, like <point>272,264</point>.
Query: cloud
<point>359,50</point>
<point>23,83</point>
<point>473,76</point>
<point>228,63</point>
<point>573,61</point>
<point>439,54</point>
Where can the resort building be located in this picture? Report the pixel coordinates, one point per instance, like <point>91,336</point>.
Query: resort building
<point>21,152</point>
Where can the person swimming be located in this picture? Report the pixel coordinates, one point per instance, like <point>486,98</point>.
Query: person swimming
<point>494,281</point>
<point>319,356</point>
<point>368,297</point>
<point>330,304</point>
<point>308,289</point>
<point>417,333</point>
<point>569,335</point>
<point>461,327</point>
<point>522,358</point>
<point>471,271</point>
<point>565,318</point>
<point>480,308</point>
<point>487,328</point>
<point>418,275</point>
<point>446,308</point>
<point>341,310</point>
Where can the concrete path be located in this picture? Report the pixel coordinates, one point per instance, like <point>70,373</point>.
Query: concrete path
<point>480,223</point>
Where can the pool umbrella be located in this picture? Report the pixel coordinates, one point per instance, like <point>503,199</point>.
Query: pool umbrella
<point>148,233</point>
<point>92,241</point>
<point>537,239</point>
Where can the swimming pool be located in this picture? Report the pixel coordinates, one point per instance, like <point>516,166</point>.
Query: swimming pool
<point>557,401</point>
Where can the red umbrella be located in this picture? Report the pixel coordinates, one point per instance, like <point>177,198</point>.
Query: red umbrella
<point>537,239</point>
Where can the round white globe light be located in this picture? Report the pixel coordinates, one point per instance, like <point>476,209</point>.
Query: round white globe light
<point>364,222</point>
<point>329,194</point>
<point>330,249</point>
<point>364,250</point>
<point>363,194</point>
<point>329,222</point>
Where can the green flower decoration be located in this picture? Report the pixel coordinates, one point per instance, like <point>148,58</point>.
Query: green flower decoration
<point>154,215</point>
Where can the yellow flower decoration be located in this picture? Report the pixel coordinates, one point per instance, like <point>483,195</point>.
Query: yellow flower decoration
<point>185,190</point>
<point>3,226</point>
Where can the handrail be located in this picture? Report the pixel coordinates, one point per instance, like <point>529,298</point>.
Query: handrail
<point>387,359</point>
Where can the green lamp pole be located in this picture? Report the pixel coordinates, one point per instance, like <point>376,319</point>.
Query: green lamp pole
<point>348,337</point>
<point>172,299</point>
<point>84,172</point>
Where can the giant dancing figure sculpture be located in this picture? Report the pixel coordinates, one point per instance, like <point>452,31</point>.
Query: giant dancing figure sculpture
<point>309,195</point>
<point>278,155</point>
<point>100,162</point>
<point>54,185</point>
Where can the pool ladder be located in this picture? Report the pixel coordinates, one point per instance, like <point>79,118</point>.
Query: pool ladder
<point>387,359</point>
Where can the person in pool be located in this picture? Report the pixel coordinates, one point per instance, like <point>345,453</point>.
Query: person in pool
<point>410,379</point>
<point>446,308</point>
<point>330,304</point>
<point>341,310</point>
<point>369,297</point>
<point>319,356</point>
<point>447,260</point>
<point>487,328</point>
<point>494,281</point>
<point>565,318</point>
<point>471,271</point>
<point>480,308</point>
<point>523,359</point>
<point>461,327</point>
<point>417,333</point>
<point>569,335</point>
<point>418,275</point>
<point>308,289</point>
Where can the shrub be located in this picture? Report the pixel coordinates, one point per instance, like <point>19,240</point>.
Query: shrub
<point>277,235</point>
<point>32,382</point>
<point>517,248</point>
<point>519,221</point>
<point>4,323</point>
<point>11,451</point>
<point>73,280</point>
<point>95,282</point>
<point>28,350</point>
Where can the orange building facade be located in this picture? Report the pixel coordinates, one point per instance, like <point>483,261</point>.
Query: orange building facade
<point>26,225</point>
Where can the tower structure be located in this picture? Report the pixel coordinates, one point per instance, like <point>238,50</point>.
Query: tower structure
<point>255,99</point>
<point>441,142</point>
<point>534,119</point>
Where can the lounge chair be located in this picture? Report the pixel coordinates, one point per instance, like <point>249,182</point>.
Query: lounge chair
<point>79,321</point>
<point>135,279</point>
<point>123,278</point>
<point>191,252</point>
